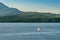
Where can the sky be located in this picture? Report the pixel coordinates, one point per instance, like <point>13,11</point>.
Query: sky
<point>52,6</point>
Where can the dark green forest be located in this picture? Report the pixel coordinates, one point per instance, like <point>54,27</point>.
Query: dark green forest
<point>31,17</point>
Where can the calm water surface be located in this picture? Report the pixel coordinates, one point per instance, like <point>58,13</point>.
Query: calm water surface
<point>28,31</point>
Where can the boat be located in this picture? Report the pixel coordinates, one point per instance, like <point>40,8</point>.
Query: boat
<point>38,29</point>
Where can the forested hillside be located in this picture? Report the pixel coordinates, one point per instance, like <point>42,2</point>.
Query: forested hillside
<point>31,17</point>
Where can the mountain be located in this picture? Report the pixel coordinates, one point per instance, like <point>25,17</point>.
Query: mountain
<point>5,10</point>
<point>8,14</point>
<point>2,6</point>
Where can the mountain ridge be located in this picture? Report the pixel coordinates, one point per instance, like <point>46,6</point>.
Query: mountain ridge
<point>8,14</point>
<point>5,10</point>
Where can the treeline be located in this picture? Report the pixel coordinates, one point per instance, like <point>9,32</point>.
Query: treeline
<point>31,17</point>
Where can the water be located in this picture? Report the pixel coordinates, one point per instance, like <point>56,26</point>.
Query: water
<point>28,31</point>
